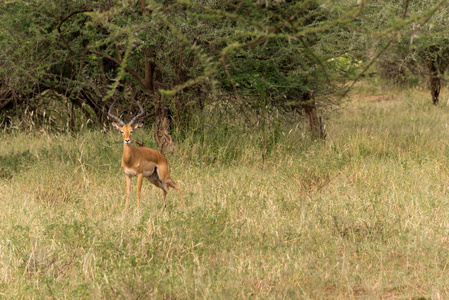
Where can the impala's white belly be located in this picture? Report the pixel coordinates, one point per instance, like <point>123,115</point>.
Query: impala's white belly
<point>130,172</point>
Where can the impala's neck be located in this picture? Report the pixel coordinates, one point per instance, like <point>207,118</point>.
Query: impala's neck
<point>127,153</point>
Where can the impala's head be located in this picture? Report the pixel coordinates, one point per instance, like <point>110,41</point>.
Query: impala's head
<point>126,129</point>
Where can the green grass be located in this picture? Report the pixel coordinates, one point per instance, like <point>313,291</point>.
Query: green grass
<point>362,215</point>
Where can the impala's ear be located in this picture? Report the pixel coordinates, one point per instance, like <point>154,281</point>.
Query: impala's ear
<point>116,126</point>
<point>138,125</point>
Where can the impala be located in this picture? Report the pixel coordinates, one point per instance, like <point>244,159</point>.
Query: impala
<point>142,162</point>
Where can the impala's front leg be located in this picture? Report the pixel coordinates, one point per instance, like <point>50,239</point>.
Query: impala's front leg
<point>128,190</point>
<point>139,188</point>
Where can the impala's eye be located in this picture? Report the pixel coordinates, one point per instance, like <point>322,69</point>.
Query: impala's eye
<point>122,132</point>
<point>131,131</point>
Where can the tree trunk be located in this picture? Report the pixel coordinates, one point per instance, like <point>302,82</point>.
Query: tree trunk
<point>315,124</point>
<point>149,70</point>
<point>434,82</point>
<point>161,135</point>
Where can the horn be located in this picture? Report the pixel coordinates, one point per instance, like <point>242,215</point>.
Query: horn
<point>115,117</point>
<point>142,112</point>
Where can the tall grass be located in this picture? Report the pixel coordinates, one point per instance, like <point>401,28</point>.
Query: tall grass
<point>270,214</point>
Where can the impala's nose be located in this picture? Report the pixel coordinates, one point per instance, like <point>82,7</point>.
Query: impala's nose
<point>127,141</point>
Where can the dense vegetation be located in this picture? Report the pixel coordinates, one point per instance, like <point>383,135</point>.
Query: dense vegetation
<point>61,63</point>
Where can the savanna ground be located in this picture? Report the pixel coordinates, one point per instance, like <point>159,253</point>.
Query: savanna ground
<point>364,214</point>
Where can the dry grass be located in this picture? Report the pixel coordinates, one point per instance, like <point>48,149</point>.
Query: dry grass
<point>362,215</point>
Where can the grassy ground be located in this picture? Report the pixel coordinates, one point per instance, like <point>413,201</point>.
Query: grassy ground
<point>362,215</point>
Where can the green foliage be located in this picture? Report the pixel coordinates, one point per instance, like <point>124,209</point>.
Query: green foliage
<point>88,51</point>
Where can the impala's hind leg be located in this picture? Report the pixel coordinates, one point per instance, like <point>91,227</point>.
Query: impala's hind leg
<point>173,184</point>
<point>165,201</point>
<point>164,176</point>
<point>154,179</point>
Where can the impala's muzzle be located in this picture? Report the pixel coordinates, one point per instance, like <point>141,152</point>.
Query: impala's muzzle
<point>127,141</point>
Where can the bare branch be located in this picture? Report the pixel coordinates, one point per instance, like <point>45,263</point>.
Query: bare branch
<point>65,18</point>
<point>130,70</point>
